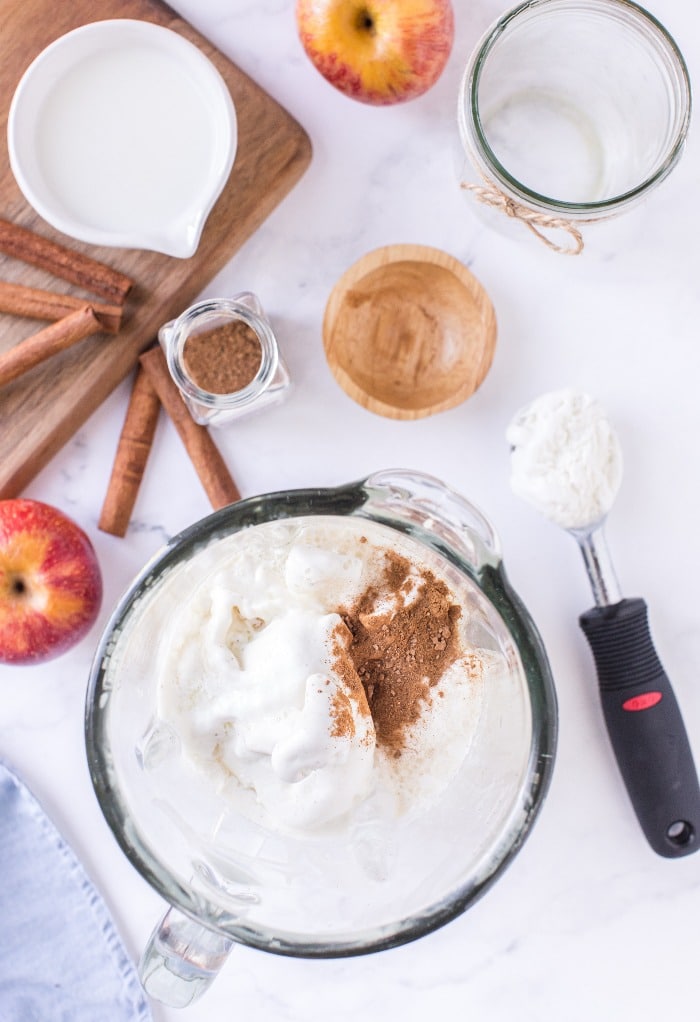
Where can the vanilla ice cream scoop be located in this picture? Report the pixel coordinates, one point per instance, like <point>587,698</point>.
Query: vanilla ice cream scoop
<point>276,716</point>
<point>566,462</point>
<point>258,681</point>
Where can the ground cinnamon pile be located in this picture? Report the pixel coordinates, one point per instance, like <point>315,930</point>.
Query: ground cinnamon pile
<point>342,719</point>
<point>225,359</point>
<point>397,641</point>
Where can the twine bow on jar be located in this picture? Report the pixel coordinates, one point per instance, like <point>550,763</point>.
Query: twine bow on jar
<point>535,222</point>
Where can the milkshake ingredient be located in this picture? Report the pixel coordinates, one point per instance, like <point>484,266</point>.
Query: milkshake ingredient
<point>566,459</point>
<point>402,639</point>
<point>225,359</point>
<point>205,456</point>
<point>314,662</point>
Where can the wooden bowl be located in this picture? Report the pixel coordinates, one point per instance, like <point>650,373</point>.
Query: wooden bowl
<point>408,331</point>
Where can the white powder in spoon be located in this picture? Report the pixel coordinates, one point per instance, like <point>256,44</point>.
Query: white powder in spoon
<point>566,459</point>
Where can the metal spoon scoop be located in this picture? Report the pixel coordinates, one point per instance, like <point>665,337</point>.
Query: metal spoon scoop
<point>641,713</point>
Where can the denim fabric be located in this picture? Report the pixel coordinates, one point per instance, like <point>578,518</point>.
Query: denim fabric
<point>61,958</point>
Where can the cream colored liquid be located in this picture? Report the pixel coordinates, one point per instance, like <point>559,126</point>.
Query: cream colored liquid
<point>125,141</point>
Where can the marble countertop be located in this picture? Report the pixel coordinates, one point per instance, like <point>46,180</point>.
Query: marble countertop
<point>587,922</point>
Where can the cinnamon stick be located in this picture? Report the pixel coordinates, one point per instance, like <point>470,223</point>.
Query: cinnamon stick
<point>203,452</point>
<point>93,276</point>
<point>35,303</point>
<point>134,446</point>
<point>47,342</point>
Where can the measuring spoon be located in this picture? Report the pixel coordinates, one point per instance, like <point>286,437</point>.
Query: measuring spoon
<point>641,713</point>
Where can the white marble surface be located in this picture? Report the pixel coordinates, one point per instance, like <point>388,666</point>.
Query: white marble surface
<point>588,922</point>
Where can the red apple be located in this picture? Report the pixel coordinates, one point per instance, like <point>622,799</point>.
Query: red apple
<point>377,51</point>
<point>50,582</point>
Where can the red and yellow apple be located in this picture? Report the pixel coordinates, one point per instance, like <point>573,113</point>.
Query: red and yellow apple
<point>377,51</point>
<point>50,582</point>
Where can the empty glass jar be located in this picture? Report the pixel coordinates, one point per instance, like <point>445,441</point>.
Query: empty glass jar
<point>570,112</point>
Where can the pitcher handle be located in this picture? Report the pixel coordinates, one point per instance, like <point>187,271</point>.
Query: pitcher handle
<point>181,960</point>
<point>417,498</point>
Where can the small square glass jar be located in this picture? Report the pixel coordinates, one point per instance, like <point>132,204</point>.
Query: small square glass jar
<point>271,381</point>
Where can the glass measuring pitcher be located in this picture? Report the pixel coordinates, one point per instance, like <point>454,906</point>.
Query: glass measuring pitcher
<point>381,881</point>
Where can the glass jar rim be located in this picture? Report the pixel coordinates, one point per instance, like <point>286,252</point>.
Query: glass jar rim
<point>176,334</point>
<point>473,135</point>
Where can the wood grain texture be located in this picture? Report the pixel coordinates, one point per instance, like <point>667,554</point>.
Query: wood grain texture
<point>34,302</point>
<point>408,331</point>
<point>48,343</point>
<point>205,456</point>
<point>42,410</point>
<point>133,449</point>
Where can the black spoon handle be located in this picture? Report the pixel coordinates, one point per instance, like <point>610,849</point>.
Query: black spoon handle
<point>645,727</point>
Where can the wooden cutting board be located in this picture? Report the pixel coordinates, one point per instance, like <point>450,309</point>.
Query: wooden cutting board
<point>42,410</point>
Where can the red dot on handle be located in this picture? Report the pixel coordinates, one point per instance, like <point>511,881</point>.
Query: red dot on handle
<point>642,702</point>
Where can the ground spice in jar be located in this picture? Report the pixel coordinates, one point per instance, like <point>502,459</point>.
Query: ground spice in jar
<point>225,359</point>
<point>398,650</point>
